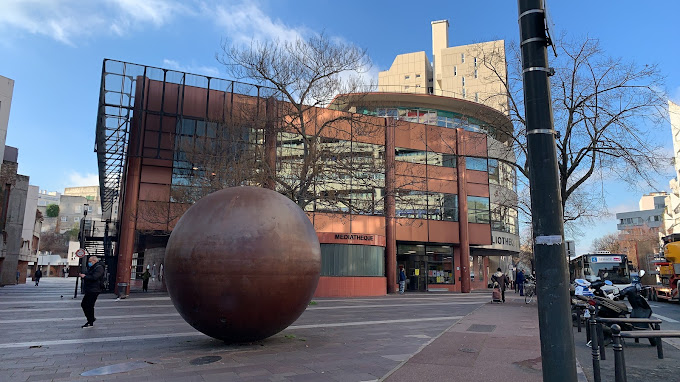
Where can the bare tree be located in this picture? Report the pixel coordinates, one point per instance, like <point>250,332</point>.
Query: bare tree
<point>314,154</point>
<point>609,242</point>
<point>605,110</point>
<point>55,242</point>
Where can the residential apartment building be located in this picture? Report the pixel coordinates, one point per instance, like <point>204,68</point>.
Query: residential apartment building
<point>473,72</point>
<point>650,215</point>
<point>46,198</point>
<point>672,214</point>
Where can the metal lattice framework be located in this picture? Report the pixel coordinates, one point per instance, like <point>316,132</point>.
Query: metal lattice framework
<point>118,108</point>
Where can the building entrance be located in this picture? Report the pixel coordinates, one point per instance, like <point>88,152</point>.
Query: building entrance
<point>427,267</point>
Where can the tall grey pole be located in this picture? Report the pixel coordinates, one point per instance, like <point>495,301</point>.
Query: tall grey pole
<point>552,280</point>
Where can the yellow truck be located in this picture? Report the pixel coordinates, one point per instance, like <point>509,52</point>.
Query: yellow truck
<point>669,270</point>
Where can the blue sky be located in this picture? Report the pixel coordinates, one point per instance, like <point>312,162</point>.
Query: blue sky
<point>54,49</point>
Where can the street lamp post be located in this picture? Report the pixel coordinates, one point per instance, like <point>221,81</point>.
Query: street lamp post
<point>552,276</point>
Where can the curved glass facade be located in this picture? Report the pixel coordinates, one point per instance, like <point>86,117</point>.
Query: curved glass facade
<point>435,117</point>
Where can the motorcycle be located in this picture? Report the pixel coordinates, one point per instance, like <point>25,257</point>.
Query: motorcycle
<point>591,298</point>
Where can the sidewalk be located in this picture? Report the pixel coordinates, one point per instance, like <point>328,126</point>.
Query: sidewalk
<point>502,342</point>
<point>495,342</point>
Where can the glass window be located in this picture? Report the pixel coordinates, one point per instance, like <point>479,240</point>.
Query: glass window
<point>494,177</point>
<point>64,219</point>
<point>477,164</point>
<point>410,155</point>
<point>352,260</point>
<point>417,75</point>
<point>478,209</point>
<point>504,219</point>
<point>462,57</point>
<point>76,219</point>
<point>475,73</point>
<point>463,78</point>
<point>455,71</point>
<point>407,77</point>
<point>439,265</point>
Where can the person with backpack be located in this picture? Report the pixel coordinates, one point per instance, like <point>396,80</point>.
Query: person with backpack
<point>502,280</point>
<point>92,286</point>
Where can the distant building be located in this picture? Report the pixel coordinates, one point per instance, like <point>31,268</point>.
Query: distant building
<point>672,215</point>
<point>650,214</point>
<point>13,208</point>
<point>30,234</point>
<point>6,90</point>
<point>457,71</point>
<point>45,198</point>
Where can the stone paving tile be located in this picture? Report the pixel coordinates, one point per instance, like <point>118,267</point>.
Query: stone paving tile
<point>344,353</point>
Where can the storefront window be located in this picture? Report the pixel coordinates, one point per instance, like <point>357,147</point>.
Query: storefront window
<point>426,265</point>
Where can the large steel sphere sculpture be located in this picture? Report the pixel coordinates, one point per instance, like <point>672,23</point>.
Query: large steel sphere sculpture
<point>242,264</point>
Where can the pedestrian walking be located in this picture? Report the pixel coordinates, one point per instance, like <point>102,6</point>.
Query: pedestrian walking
<point>37,275</point>
<point>402,279</point>
<point>18,275</point>
<point>520,282</point>
<point>502,281</point>
<point>92,286</point>
<point>145,280</point>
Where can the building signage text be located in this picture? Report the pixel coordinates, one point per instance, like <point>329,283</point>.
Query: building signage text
<point>344,236</point>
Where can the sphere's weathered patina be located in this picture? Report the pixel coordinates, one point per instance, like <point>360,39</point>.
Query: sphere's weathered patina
<point>242,264</point>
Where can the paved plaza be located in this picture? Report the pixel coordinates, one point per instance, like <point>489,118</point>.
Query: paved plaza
<point>360,339</point>
<point>447,337</point>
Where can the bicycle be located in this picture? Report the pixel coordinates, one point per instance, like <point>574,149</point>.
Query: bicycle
<point>529,291</point>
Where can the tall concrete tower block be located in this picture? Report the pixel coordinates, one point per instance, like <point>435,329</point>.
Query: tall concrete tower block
<point>440,41</point>
<point>6,90</point>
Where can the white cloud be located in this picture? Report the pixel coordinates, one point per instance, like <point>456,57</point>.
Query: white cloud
<point>193,68</point>
<point>69,21</point>
<point>244,22</point>
<point>76,179</point>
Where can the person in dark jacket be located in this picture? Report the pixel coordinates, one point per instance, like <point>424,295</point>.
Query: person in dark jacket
<point>37,275</point>
<point>92,287</point>
<point>502,281</point>
<point>145,280</point>
<point>520,282</point>
<point>402,280</point>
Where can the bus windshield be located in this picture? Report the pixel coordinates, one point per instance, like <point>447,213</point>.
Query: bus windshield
<point>617,273</point>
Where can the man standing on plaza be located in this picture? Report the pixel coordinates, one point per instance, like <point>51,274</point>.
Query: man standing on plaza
<point>520,282</point>
<point>92,287</point>
<point>37,275</point>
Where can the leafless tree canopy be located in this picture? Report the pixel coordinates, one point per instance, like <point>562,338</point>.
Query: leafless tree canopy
<point>605,110</point>
<point>317,151</point>
<point>609,242</point>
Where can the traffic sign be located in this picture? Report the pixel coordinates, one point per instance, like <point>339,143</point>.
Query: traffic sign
<point>80,252</point>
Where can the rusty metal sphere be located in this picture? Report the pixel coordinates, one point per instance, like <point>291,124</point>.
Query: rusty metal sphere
<point>242,264</point>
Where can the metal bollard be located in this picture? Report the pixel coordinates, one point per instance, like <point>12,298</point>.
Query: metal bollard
<point>619,360</point>
<point>599,337</point>
<point>596,352</point>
